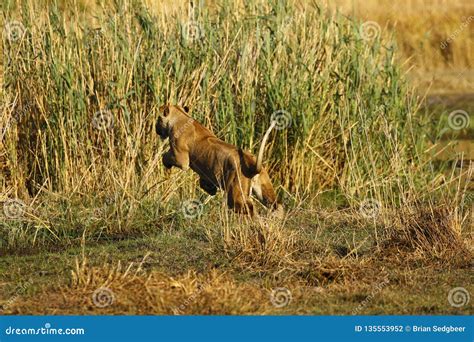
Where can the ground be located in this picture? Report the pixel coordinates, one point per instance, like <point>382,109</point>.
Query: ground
<point>190,267</point>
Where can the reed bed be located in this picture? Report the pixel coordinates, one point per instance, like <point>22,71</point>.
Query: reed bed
<point>83,81</point>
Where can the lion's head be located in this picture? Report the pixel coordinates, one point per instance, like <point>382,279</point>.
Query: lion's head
<point>168,114</point>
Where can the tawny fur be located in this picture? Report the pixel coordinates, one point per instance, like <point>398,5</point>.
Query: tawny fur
<point>219,165</point>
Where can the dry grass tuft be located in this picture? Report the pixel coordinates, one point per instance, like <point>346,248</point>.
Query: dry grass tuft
<point>106,289</point>
<point>262,245</point>
<point>433,230</point>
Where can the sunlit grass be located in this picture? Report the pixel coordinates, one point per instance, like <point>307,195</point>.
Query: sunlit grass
<point>82,92</point>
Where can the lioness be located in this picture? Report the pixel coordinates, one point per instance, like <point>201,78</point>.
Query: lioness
<point>219,165</point>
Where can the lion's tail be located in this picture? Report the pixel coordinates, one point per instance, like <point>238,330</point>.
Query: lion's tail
<point>258,167</point>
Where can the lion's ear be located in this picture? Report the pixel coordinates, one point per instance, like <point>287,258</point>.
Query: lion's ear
<point>186,109</point>
<point>165,109</point>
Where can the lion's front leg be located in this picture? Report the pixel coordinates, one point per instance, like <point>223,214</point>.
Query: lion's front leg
<point>178,159</point>
<point>208,187</point>
<point>169,160</point>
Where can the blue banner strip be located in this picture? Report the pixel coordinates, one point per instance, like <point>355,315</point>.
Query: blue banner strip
<point>237,328</point>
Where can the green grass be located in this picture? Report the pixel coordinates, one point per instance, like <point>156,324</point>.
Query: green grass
<point>343,93</point>
<point>326,283</point>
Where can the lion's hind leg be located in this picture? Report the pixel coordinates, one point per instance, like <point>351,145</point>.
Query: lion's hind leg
<point>262,189</point>
<point>237,198</point>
